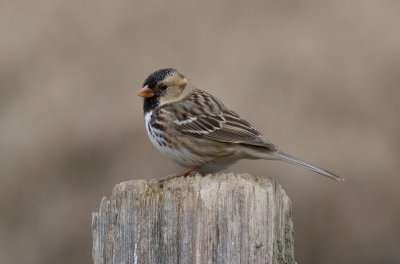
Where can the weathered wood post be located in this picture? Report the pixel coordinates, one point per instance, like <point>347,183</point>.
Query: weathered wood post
<point>223,218</point>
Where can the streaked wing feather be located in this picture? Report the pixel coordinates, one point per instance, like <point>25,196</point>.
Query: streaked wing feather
<point>237,130</point>
<point>209,118</point>
<point>202,125</point>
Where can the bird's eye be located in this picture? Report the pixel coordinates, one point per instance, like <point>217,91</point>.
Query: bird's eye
<point>163,87</point>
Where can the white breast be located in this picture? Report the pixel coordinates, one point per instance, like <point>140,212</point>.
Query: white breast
<point>178,154</point>
<point>154,134</point>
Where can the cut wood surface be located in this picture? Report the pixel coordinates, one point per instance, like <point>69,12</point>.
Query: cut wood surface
<point>222,218</point>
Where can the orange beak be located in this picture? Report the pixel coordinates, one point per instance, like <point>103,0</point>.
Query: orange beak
<point>146,92</point>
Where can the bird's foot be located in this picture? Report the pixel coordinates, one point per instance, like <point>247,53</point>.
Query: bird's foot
<point>191,171</point>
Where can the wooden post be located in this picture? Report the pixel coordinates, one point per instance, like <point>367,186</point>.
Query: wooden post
<point>223,218</point>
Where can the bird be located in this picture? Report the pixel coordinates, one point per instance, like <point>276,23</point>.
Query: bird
<point>197,131</point>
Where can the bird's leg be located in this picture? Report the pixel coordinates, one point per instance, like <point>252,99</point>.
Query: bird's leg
<point>187,172</point>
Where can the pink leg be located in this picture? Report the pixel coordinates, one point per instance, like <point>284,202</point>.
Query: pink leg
<point>187,172</point>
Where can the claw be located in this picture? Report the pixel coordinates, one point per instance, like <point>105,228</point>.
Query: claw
<point>191,171</point>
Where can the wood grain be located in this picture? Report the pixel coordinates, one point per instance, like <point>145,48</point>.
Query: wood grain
<point>223,218</point>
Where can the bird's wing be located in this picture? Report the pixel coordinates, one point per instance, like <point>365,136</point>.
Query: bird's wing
<point>202,115</point>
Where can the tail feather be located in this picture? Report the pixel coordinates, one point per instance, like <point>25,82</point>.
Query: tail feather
<point>302,163</point>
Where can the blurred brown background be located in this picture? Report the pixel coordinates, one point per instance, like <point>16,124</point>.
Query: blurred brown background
<point>318,78</point>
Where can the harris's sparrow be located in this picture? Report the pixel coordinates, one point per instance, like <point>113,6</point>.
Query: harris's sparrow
<point>196,130</point>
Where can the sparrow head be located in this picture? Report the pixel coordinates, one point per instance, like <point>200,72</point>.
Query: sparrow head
<point>161,87</point>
